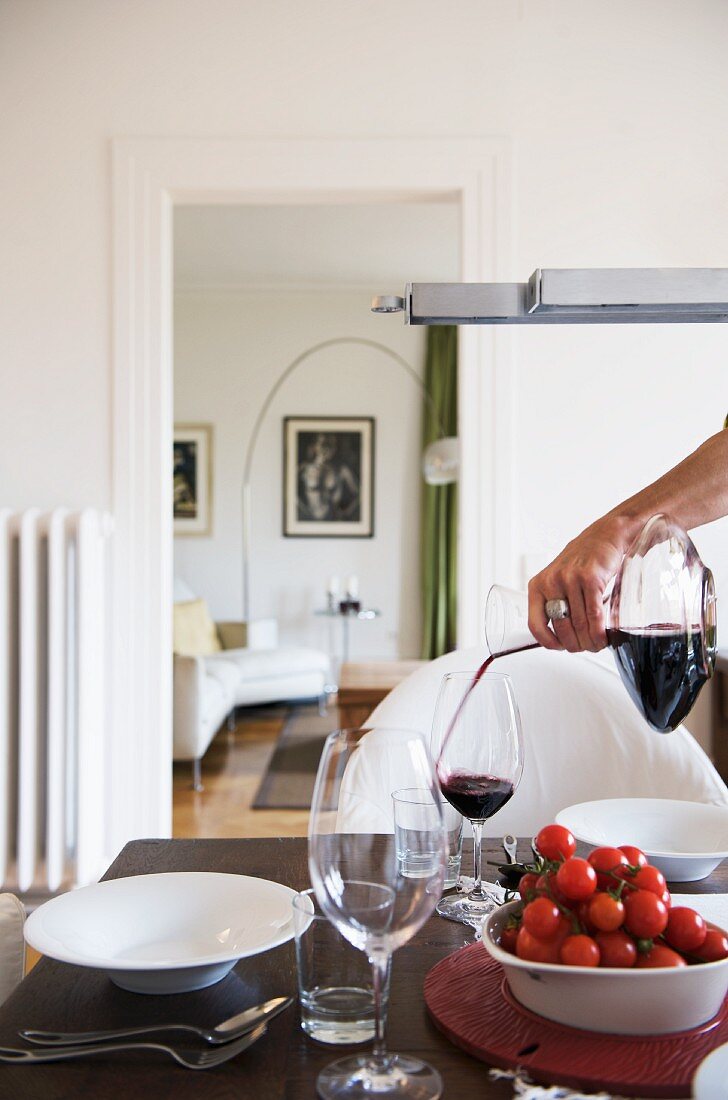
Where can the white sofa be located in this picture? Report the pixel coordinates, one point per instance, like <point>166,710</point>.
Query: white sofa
<point>249,669</point>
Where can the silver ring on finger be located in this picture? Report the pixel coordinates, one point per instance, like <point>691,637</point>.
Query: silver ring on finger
<point>557,609</point>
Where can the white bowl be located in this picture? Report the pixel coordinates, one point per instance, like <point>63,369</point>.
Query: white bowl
<point>686,840</point>
<point>612,1000</point>
<point>166,933</point>
<point>710,1077</point>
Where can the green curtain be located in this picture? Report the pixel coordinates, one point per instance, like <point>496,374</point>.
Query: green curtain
<point>439,502</point>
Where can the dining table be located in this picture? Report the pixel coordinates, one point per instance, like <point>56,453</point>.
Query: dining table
<point>284,1063</point>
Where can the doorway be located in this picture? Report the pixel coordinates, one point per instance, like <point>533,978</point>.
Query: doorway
<point>150,178</point>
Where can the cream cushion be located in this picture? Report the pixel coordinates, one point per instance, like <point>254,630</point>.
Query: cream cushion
<point>194,632</point>
<point>12,944</point>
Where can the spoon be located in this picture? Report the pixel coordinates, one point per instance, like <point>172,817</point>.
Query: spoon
<point>224,1032</point>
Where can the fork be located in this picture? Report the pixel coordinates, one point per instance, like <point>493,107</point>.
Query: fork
<point>230,1029</point>
<point>191,1059</point>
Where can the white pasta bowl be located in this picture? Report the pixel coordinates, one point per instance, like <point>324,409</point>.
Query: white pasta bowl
<point>686,840</point>
<point>611,1000</point>
<point>164,933</point>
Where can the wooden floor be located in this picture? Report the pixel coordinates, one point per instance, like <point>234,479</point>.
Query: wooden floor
<point>232,769</point>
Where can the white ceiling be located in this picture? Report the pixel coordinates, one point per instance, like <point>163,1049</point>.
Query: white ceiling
<point>380,246</point>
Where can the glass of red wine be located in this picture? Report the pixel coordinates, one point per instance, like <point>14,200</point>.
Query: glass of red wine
<point>478,748</point>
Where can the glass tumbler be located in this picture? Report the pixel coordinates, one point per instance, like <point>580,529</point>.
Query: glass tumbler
<point>334,978</point>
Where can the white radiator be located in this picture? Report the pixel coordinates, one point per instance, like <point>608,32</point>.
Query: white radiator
<point>53,596</point>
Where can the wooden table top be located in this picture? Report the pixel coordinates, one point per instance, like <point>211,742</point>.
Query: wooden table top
<point>284,1064</point>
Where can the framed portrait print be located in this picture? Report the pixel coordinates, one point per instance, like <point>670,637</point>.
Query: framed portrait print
<point>192,473</point>
<point>328,477</point>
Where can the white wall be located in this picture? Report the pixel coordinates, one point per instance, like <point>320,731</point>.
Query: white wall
<point>230,347</point>
<point>617,115</point>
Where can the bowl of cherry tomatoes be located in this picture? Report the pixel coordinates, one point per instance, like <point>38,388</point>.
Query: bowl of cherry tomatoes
<point>596,943</point>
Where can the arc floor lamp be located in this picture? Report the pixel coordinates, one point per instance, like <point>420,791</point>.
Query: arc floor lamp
<point>440,461</point>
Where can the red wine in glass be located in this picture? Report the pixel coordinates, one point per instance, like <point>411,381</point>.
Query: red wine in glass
<point>476,797</point>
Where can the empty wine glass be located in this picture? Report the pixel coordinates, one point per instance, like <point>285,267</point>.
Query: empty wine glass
<point>360,887</point>
<point>477,743</point>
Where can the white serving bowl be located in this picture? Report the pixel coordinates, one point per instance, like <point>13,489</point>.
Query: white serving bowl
<point>613,1000</point>
<point>686,840</point>
<point>166,933</point>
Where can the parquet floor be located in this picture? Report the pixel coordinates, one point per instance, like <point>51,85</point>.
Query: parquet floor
<point>232,769</point>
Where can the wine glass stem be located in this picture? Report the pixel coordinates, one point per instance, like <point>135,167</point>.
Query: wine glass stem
<point>477,893</point>
<point>380,973</point>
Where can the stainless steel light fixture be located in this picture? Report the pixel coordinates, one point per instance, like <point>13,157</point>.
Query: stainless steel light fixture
<point>577,296</point>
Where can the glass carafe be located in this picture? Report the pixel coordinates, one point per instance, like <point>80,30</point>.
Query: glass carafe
<point>661,623</point>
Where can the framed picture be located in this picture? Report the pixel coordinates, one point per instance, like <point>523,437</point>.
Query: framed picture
<point>328,477</point>
<point>192,473</point>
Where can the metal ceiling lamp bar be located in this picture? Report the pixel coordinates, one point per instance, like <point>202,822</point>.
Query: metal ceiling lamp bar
<point>570,297</point>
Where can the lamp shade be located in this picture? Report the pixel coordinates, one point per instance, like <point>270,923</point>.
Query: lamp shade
<point>441,461</point>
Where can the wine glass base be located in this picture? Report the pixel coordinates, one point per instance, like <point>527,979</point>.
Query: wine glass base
<point>465,909</point>
<point>353,1079</point>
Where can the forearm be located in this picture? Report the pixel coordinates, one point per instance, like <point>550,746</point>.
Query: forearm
<point>693,492</point>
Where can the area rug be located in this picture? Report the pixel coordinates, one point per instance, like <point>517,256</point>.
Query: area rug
<point>288,782</point>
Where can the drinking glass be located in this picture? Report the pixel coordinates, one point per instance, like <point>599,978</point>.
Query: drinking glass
<point>410,820</point>
<point>361,889</point>
<point>477,742</point>
<point>334,981</point>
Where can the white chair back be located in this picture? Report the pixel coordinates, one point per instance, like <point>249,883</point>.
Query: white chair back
<point>12,944</point>
<point>584,739</point>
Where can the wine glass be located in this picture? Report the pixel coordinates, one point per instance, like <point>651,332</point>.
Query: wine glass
<point>359,885</point>
<point>477,743</point>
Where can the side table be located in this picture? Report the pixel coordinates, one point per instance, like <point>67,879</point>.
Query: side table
<point>364,684</point>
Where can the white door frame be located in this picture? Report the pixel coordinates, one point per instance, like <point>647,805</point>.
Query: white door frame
<point>149,177</point>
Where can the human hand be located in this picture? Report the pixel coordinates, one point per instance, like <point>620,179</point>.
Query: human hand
<point>580,574</point>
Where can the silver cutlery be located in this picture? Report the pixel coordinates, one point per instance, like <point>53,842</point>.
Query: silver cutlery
<point>224,1032</point>
<point>510,846</point>
<point>191,1059</point>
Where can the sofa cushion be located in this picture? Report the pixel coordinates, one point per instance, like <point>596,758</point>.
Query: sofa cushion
<point>272,664</point>
<point>194,632</point>
<point>225,673</point>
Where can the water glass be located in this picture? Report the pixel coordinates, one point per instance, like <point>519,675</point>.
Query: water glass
<point>334,978</point>
<point>410,821</point>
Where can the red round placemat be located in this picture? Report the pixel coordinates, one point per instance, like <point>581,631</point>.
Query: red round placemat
<point>469,1001</point>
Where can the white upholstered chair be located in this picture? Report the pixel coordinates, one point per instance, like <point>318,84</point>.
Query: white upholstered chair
<point>12,944</point>
<point>584,739</point>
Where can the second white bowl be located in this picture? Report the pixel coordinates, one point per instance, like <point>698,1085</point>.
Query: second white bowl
<point>686,840</point>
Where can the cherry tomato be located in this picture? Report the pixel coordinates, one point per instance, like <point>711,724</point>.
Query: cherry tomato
<point>576,878</point>
<point>605,912</point>
<point>527,886</point>
<point>686,929</point>
<point>645,914</point>
<point>635,856</point>
<point>555,842</point>
<point>548,884</point>
<point>541,918</point>
<point>508,938</point>
<point>659,955</point>
<point>535,950</point>
<point>616,948</point>
<point>666,897</point>
<point>606,859</point>
<point>582,913</point>
<point>649,878</point>
<point>579,951</point>
<point>713,947</point>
